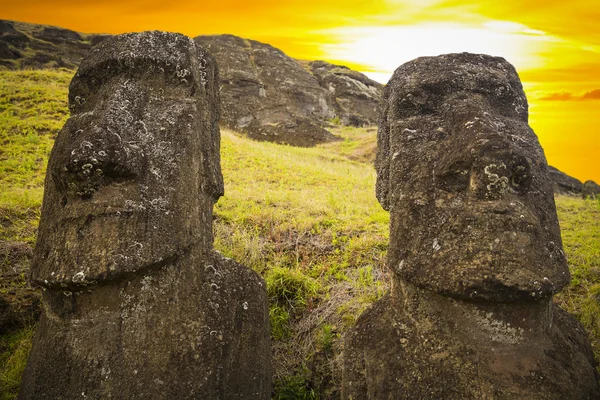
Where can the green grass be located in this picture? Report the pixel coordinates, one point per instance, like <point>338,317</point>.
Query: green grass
<point>33,108</point>
<point>306,219</point>
<point>14,349</point>
<point>580,229</point>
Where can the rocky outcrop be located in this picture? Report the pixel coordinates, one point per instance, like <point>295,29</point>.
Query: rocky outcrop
<point>10,36</point>
<point>137,304</point>
<point>475,247</point>
<point>57,35</point>
<point>352,95</point>
<point>38,46</point>
<point>266,94</point>
<point>563,183</point>
<point>590,189</point>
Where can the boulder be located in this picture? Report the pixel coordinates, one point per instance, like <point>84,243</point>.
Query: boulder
<point>95,39</point>
<point>354,96</point>
<point>266,94</point>
<point>563,183</point>
<point>475,247</point>
<point>137,303</point>
<point>590,189</point>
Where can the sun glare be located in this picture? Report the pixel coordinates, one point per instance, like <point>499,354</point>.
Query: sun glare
<point>383,49</point>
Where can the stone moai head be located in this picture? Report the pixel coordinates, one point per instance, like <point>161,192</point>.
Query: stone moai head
<point>135,171</point>
<point>465,180</point>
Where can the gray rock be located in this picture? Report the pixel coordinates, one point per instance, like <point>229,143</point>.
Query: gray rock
<point>7,53</point>
<point>137,302</point>
<point>353,96</point>
<point>266,94</point>
<point>11,36</point>
<point>563,183</point>
<point>415,344</point>
<point>95,39</point>
<point>48,47</point>
<point>590,189</point>
<point>57,35</point>
<point>475,247</point>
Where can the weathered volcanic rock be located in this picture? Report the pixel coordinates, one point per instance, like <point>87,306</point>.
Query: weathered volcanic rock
<point>420,345</point>
<point>590,189</point>
<point>354,96</point>
<point>475,247</point>
<point>95,39</point>
<point>137,304</point>
<point>266,94</point>
<point>10,36</point>
<point>563,183</point>
<point>41,47</point>
<point>57,35</point>
<point>7,53</point>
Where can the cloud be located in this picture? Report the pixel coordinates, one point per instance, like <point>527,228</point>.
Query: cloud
<point>560,96</point>
<point>568,96</point>
<point>591,95</point>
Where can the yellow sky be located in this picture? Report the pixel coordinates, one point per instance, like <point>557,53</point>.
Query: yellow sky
<point>555,45</point>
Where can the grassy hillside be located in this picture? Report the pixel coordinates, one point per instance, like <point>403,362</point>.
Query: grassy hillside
<point>306,219</point>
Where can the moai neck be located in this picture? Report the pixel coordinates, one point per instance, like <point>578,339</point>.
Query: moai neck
<point>478,322</point>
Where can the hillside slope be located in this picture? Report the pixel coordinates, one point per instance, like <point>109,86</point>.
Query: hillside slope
<point>265,93</point>
<point>306,219</point>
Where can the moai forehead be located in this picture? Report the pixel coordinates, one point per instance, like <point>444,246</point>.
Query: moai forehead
<point>465,180</point>
<point>135,170</point>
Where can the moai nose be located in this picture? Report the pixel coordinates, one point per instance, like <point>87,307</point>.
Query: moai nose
<point>501,175</point>
<point>91,165</point>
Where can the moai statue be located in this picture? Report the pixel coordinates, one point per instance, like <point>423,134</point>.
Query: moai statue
<point>475,247</point>
<point>137,304</point>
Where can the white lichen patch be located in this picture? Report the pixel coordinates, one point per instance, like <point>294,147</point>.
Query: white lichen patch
<point>497,183</point>
<point>78,277</point>
<point>498,330</point>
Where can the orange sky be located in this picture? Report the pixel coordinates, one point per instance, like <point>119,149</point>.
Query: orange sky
<point>555,45</point>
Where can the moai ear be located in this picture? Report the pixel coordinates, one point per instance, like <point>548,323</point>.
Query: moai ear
<point>382,161</point>
<point>212,177</point>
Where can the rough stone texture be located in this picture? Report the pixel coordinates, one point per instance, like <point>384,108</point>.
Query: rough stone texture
<point>95,39</point>
<point>10,36</point>
<point>57,35</point>
<point>466,182</point>
<point>590,189</point>
<point>7,53</point>
<point>414,344</point>
<point>266,94</point>
<point>353,96</point>
<point>36,46</point>
<point>475,247</point>
<point>563,183</point>
<point>137,304</point>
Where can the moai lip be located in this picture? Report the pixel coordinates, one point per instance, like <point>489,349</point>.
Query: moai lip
<point>464,178</point>
<point>124,191</point>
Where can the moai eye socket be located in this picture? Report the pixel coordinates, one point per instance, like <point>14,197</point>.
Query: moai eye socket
<point>521,177</point>
<point>455,178</point>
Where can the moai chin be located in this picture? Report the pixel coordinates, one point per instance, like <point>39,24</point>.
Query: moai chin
<point>137,304</point>
<point>475,247</point>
